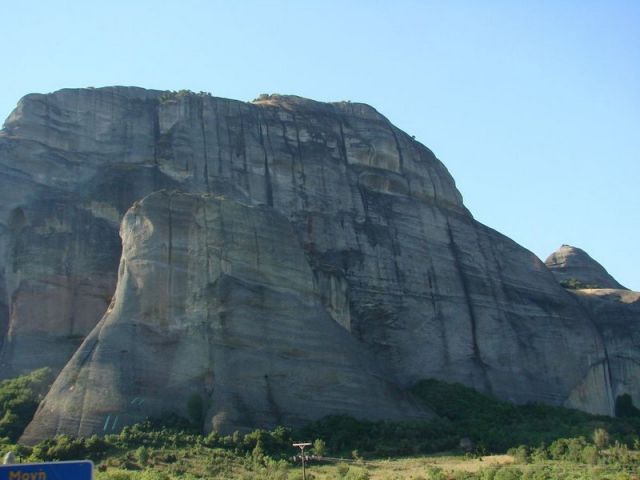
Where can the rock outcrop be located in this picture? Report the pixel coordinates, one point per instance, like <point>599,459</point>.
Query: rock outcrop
<point>571,265</point>
<point>357,222</point>
<point>617,315</point>
<point>614,309</point>
<point>216,300</point>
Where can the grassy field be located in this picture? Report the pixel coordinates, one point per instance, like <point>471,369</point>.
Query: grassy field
<point>407,468</point>
<point>431,467</point>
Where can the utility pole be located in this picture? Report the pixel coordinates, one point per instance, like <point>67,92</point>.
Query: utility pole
<point>301,446</point>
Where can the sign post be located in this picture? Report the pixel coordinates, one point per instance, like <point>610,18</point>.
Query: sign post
<point>76,470</point>
<point>301,447</point>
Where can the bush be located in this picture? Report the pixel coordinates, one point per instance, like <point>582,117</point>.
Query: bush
<point>624,406</point>
<point>435,473</point>
<point>196,410</point>
<point>19,399</point>
<point>65,447</point>
<point>357,474</point>
<point>575,284</point>
<point>342,469</point>
<point>569,449</point>
<point>508,473</point>
<point>142,455</point>
<point>600,438</point>
<point>520,454</point>
<point>319,447</point>
<point>590,455</point>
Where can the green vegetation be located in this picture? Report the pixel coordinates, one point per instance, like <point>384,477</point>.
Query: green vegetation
<point>195,409</point>
<point>541,442</point>
<point>625,407</point>
<point>19,399</point>
<point>492,425</point>
<point>575,284</point>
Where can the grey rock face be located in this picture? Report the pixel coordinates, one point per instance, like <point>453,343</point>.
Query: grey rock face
<point>396,260</point>
<point>571,263</point>
<point>71,163</point>
<point>215,299</point>
<point>617,315</point>
<point>614,310</point>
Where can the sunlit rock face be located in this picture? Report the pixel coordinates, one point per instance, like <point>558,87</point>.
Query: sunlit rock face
<point>617,315</point>
<point>572,264</point>
<point>614,309</point>
<point>215,299</point>
<point>413,285</point>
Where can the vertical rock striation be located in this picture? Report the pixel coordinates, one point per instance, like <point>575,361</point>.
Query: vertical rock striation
<point>614,309</point>
<point>395,259</point>
<point>215,299</point>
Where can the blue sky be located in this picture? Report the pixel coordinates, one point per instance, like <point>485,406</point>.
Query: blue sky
<point>534,107</point>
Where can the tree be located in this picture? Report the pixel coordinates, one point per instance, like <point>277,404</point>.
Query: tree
<point>319,447</point>
<point>624,406</point>
<point>195,409</point>
<point>19,399</point>
<point>600,438</point>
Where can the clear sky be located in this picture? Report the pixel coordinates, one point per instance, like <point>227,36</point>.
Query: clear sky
<point>534,107</point>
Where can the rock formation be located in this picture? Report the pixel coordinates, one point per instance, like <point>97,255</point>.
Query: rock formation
<point>215,299</point>
<point>281,221</point>
<point>614,309</point>
<point>571,264</point>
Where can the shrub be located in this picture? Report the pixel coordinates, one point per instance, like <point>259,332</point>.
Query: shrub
<point>568,449</point>
<point>19,399</point>
<point>600,438</point>
<point>508,473</point>
<point>65,447</point>
<point>319,447</point>
<point>435,473</point>
<point>115,475</point>
<point>520,454</point>
<point>590,455</point>
<point>357,474</point>
<point>195,410</point>
<point>142,455</point>
<point>575,284</point>
<point>342,469</point>
<point>624,406</point>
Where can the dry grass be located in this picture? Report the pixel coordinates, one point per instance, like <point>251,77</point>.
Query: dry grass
<point>413,468</point>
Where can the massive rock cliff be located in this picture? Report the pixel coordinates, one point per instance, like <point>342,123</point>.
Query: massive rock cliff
<point>614,309</point>
<point>215,299</point>
<point>353,222</point>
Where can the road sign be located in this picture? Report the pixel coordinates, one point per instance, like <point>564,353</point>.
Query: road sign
<point>80,470</point>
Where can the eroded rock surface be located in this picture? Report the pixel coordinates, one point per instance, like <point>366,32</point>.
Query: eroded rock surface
<point>614,309</point>
<point>215,299</point>
<point>617,315</point>
<point>396,260</point>
<point>574,265</point>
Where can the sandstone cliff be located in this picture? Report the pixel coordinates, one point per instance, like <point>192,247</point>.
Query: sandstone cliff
<point>571,264</point>
<point>381,241</point>
<point>614,309</point>
<point>215,299</point>
<point>617,315</point>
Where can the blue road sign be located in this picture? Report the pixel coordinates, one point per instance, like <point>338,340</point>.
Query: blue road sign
<point>80,470</point>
